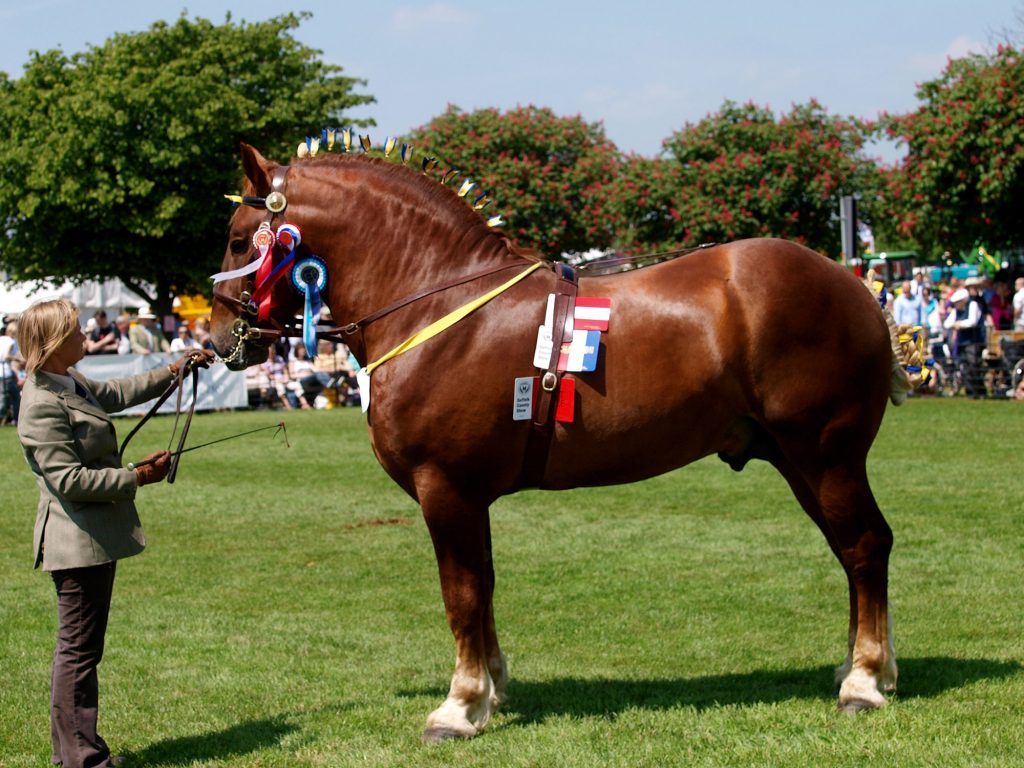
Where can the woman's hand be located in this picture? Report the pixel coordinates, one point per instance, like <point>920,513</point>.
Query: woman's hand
<point>193,358</point>
<point>153,468</point>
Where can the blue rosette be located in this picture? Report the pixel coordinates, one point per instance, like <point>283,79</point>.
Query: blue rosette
<point>309,276</point>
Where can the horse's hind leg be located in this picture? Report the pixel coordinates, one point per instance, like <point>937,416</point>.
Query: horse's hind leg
<point>864,541</point>
<point>840,502</point>
<point>460,533</point>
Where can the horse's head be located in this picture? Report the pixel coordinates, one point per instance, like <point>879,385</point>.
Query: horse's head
<point>382,231</point>
<point>244,321</point>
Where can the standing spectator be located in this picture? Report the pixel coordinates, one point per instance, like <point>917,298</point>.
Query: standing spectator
<point>919,281</point>
<point>146,338</point>
<point>1018,304</point>
<point>976,290</point>
<point>1001,307</point>
<point>928,303</point>
<point>936,318</point>
<point>104,337</point>
<point>906,309</point>
<point>184,341</point>
<point>10,388</point>
<point>966,320</point>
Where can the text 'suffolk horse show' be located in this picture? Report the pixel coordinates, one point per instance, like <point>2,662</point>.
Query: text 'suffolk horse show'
<point>487,369</point>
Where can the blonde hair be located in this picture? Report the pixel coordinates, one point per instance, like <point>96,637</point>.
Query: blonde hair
<point>43,327</point>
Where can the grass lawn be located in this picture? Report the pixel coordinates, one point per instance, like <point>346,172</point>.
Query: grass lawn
<point>287,611</point>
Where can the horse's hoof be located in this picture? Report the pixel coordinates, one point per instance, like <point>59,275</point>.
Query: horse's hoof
<point>438,733</point>
<point>853,706</point>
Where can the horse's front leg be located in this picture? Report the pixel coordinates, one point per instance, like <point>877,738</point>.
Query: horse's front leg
<point>461,537</point>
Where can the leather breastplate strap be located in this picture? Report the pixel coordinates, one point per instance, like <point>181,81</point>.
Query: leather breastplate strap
<point>538,444</point>
<point>561,333</point>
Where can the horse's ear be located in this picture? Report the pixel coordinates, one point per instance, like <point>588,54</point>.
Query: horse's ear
<point>257,169</point>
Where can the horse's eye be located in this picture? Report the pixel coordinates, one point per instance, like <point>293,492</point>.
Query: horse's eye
<point>238,247</point>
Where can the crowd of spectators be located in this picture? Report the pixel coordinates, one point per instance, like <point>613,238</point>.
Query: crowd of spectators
<point>971,324</point>
<point>289,379</point>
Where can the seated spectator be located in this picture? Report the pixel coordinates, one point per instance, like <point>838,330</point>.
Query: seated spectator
<point>201,333</point>
<point>300,371</point>
<point>257,385</point>
<point>104,337</point>
<point>1001,307</point>
<point>184,341</point>
<point>333,370</point>
<point>277,373</point>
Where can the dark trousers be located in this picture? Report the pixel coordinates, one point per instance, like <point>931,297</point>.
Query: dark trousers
<point>974,374</point>
<point>83,605</point>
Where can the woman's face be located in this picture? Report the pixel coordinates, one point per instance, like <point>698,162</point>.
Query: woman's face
<point>68,353</point>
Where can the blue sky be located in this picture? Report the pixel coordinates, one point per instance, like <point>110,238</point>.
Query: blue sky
<point>643,69</point>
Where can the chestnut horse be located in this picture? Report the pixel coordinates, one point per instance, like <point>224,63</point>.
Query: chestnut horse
<point>757,349</point>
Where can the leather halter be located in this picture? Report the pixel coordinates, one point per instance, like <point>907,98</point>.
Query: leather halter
<point>275,204</point>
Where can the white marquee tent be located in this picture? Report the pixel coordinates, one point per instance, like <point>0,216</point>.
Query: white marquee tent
<point>111,295</point>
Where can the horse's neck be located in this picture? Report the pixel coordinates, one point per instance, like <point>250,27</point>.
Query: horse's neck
<point>399,240</point>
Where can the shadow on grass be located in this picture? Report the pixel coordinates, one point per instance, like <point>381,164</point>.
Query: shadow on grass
<point>533,701</point>
<point>244,738</point>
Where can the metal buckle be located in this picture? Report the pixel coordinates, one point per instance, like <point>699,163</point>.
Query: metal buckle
<point>248,304</point>
<point>548,382</point>
<point>276,202</point>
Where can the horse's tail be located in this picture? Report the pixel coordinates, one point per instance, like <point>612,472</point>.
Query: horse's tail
<point>901,384</point>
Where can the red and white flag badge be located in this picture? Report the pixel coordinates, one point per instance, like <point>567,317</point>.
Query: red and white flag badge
<point>592,313</point>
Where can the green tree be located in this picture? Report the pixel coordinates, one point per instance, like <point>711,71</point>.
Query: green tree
<point>114,162</point>
<point>962,181</point>
<point>643,203</point>
<point>743,173</point>
<point>548,174</point>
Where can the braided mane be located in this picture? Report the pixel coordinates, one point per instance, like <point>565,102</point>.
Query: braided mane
<point>428,193</point>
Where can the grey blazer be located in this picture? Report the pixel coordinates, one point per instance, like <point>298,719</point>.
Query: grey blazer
<point>86,514</point>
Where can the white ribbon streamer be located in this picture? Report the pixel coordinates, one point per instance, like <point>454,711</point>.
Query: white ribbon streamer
<point>248,269</point>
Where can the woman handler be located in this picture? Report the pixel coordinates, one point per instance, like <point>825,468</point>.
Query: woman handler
<point>86,520</point>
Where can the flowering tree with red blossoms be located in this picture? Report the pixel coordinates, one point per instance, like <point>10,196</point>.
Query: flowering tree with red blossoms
<point>743,173</point>
<point>962,181</point>
<point>549,175</point>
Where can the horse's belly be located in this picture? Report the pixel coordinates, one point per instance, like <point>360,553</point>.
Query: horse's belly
<point>608,445</point>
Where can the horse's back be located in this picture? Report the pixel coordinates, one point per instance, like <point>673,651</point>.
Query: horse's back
<point>762,332</point>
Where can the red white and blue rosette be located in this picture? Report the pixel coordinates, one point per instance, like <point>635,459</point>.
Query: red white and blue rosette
<point>288,238</point>
<point>309,276</point>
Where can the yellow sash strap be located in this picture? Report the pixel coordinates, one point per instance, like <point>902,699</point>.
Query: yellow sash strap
<point>448,320</point>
